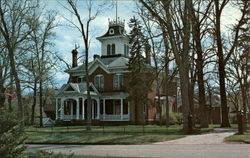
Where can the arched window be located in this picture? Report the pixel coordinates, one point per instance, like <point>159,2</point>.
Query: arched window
<point>108,49</point>
<point>113,49</point>
<point>99,82</point>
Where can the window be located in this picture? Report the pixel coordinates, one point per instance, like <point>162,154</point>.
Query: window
<point>99,82</point>
<point>108,49</point>
<point>117,81</point>
<point>126,50</point>
<point>111,31</point>
<point>113,49</point>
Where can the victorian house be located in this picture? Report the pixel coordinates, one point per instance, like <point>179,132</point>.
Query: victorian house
<point>108,81</point>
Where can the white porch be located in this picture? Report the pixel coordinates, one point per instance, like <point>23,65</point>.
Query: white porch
<point>75,108</point>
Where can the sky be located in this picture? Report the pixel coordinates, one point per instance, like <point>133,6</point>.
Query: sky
<point>67,36</point>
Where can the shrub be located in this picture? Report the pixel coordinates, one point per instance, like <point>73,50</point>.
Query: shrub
<point>11,135</point>
<point>175,118</point>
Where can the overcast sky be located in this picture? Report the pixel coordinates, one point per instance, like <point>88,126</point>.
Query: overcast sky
<point>67,37</point>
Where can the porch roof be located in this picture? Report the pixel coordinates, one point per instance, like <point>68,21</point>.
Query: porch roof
<point>114,95</point>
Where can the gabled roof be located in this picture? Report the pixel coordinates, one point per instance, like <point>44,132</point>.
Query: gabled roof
<point>78,88</point>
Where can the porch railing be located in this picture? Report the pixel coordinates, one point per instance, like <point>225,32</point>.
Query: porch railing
<point>109,117</point>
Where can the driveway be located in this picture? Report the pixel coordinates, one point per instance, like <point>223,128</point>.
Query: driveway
<point>215,137</point>
<point>194,146</point>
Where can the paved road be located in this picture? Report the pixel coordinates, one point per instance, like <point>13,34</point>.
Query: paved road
<point>194,149</point>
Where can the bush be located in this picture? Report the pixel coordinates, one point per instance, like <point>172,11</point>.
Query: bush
<point>175,118</point>
<point>11,135</point>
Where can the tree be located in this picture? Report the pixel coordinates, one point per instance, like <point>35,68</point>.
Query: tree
<point>199,20</point>
<point>224,52</point>
<point>176,22</point>
<point>84,28</point>
<point>40,58</point>
<point>16,19</point>
<point>139,77</point>
<point>4,74</point>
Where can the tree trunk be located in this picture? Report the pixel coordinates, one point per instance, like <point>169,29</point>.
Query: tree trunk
<point>34,103</point>
<point>191,101</point>
<point>185,100</point>
<point>18,86</point>
<point>41,101</point>
<point>166,93</point>
<point>222,74</point>
<point>89,104</point>
<point>199,63</point>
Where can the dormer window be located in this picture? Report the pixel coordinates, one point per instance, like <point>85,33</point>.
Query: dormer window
<point>111,31</point>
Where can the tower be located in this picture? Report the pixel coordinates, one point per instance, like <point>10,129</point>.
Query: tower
<point>115,40</point>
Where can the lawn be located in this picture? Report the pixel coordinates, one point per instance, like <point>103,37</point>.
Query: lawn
<point>130,134</point>
<point>239,137</point>
<point>44,154</point>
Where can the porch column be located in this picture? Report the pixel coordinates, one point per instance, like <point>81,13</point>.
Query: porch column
<point>62,108</point>
<point>71,110</point>
<point>56,108</point>
<point>98,109</point>
<point>77,109</point>
<point>83,106</point>
<point>121,109</point>
<point>104,111</point>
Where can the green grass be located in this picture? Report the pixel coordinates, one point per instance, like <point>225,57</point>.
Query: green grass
<point>239,137</point>
<point>131,134</point>
<point>44,154</point>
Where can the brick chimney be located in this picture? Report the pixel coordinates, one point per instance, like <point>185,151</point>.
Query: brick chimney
<point>148,53</point>
<point>74,58</point>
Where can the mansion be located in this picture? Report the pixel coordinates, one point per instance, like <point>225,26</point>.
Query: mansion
<point>108,81</point>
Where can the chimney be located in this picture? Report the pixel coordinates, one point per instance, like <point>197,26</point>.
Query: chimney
<point>147,52</point>
<point>74,58</point>
<point>96,56</point>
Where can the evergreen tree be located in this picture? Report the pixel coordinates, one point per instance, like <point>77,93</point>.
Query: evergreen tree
<point>11,135</point>
<point>139,78</point>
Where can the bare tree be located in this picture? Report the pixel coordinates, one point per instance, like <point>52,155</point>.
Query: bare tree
<point>176,22</point>
<point>224,52</point>
<point>84,28</point>
<point>16,17</point>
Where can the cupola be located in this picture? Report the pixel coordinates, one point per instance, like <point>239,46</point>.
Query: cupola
<point>115,40</point>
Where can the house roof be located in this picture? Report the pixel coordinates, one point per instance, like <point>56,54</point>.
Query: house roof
<point>118,30</point>
<point>107,62</point>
